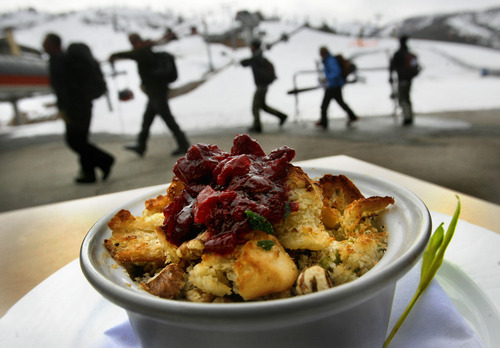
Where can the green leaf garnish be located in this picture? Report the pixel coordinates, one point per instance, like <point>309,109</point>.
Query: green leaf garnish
<point>265,244</point>
<point>288,210</point>
<point>431,261</point>
<point>258,222</point>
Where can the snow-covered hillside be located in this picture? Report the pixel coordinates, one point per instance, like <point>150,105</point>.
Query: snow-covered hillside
<point>451,79</point>
<point>478,28</point>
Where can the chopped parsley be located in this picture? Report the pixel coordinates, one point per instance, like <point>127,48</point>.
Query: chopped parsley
<point>265,244</point>
<point>258,222</point>
<point>288,210</point>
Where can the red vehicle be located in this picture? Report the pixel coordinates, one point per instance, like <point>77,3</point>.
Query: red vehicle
<point>23,73</point>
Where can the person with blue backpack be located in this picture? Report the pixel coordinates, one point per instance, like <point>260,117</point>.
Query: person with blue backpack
<point>333,81</point>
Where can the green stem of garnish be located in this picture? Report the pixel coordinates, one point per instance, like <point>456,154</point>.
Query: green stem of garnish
<point>431,261</point>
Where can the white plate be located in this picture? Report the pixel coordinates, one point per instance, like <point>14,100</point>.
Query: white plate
<point>471,302</point>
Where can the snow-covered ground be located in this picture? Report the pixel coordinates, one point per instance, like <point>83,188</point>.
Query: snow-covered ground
<point>225,99</point>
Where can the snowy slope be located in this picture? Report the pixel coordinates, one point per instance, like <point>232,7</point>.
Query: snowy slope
<point>224,100</point>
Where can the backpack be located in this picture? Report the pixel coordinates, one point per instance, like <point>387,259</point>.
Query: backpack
<point>411,66</point>
<point>268,72</point>
<point>346,66</point>
<point>165,68</point>
<point>85,72</point>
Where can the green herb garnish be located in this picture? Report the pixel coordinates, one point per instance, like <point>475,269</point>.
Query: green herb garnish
<point>337,260</point>
<point>265,244</point>
<point>258,222</point>
<point>325,262</point>
<point>288,210</point>
<point>431,261</point>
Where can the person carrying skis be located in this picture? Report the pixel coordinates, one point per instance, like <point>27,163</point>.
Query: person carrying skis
<point>157,92</point>
<point>405,64</point>
<point>264,75</point>
<point>333,88</point>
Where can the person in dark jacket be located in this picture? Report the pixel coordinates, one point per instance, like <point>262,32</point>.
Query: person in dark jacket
<point>264,75</point>
<point>75,107</point>
<point>157,92</point>
<point>333,88</point>
<point>397,64</point>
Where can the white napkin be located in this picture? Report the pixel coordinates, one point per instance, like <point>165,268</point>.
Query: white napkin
<point>434,320</point>
<point>120,336</point>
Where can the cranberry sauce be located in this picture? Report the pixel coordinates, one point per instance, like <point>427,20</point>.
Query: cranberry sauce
<point>221,186</point>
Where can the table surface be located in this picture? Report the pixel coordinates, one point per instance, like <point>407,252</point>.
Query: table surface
<point>36,242</point>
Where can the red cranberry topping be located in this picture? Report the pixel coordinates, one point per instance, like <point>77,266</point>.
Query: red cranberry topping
<point>224,243</point>
<point>243,144</point>
<point>220,187</point>
<point>232,167</point>
<point>198,164</point>
<point>294,206</point>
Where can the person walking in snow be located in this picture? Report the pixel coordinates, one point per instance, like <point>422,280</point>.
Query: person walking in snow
<point>157,92</point>
<point>405,64</point>
<point>75,108</point>
<point>333,88</point>
<point>264,75</point>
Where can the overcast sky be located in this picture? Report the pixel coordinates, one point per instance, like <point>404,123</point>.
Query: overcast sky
<point>359,10</point>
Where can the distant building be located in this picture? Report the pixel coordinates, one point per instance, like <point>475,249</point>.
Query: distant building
<point>242,34</point>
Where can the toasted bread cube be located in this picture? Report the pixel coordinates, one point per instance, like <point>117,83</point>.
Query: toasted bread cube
<point>212,275</point>
<point>330,217</point>
<point>158,204</point>
<point>134,243</point>
<point>338,191</point>
<point>260,272</point>
<point>303,229</point>
<point>362,208</point>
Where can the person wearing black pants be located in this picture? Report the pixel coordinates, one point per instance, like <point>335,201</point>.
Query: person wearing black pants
<point>78,118</point>
<point>259,103</point>
<point>263,74</point>
<point>336,94</point>
<point>157,105</point>
<point>399,63</point>
<point>157,92</point>
<point>75,108</point>
<point>333,88</point>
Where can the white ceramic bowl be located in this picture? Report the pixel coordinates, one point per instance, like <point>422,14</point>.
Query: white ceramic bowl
<point>355,314</point>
